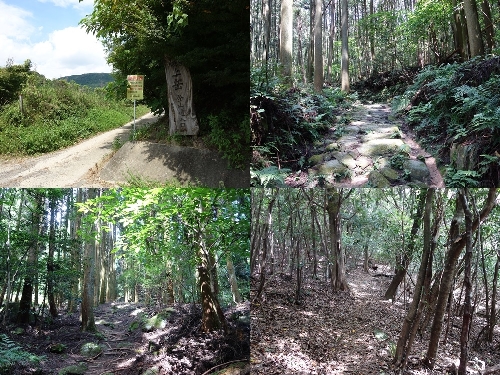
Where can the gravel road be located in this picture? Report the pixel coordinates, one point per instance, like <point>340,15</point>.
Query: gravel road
<point>76,166</point>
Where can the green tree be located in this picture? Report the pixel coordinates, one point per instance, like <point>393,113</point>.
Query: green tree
<point>209,37</point>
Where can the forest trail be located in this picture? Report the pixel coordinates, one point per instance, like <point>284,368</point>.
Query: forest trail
<point>371,150</point>
<point>74,166</point>
<point>333,334</point>
<point>133,340</point>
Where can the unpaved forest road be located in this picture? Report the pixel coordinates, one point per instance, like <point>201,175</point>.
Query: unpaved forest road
<point>72,167</point>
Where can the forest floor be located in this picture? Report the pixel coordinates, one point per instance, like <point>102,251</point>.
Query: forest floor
<point>175,346</point>
<point>352,332</point>
<point>373,150</point>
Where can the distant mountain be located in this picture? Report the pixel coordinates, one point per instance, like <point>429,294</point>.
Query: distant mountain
<point>90,79</point>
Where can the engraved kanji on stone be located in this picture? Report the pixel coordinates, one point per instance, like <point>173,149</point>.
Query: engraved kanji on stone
<point>177,80</point>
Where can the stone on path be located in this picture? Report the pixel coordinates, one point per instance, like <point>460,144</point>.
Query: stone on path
<point>379,147</point>
<point>418,171</point>
<point>332,167</point>
<point>345,159</point>
<point>377,180</point>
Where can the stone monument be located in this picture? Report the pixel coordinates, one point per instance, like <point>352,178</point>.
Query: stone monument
<point>182,118</point>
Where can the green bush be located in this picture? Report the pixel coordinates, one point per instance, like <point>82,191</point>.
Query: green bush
<point>58,114</point>
<point>231,137</point>
<point>457,103</point>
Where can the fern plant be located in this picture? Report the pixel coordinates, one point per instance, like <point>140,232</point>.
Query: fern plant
<point>11,353</point>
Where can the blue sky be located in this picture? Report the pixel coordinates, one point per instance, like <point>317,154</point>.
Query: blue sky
<point>47,33</point>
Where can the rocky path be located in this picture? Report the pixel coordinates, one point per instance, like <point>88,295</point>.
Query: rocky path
<point>370,151</point>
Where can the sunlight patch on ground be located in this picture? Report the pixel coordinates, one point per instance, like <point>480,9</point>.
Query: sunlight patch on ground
<point>136,311</point>
<point>309,313</point>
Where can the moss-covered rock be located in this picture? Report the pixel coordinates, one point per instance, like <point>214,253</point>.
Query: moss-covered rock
<point>332,167</point>
<point>77,369</point>
<point>378,147</point>
<point>377,180</point>
<point>345,159</point>
<point>90,349</point>
<point>390,174</point>
<point>317,159</point>
<point>417,170</point>
<point>158,321</point>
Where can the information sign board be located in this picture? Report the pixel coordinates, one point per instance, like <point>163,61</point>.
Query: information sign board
<point>135,87</point>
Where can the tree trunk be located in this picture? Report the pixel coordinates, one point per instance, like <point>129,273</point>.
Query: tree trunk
<point>26,297</point>
<point>407,255</point>
<point>233,282</point>
<point>286,39</point>
<point>87,309</point>
<point>492,317</point>
<point>464,336</point>
<point>50,258</point>
<point>412,318</point>
<point>345,47</point>
<point>488,26</point>
<point>473,28</point>
<point>318,47</point>
<point>457,243</point>
<point>339,282</point>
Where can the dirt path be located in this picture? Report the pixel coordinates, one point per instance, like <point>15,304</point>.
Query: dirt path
<point>133,339</point>
<point>371,150</point>
<point>345,333</point>
<point>72,167</point>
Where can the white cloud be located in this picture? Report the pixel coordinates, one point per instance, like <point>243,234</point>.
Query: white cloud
<point>70,3</point>
<point>13,22</point>
<point>70,51</point>
<point>66,52</point>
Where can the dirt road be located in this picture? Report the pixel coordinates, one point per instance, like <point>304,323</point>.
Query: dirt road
<point>75,166</point>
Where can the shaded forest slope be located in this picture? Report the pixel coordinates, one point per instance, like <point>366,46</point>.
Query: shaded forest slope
<point>133,339</point>
<point>345,333</point>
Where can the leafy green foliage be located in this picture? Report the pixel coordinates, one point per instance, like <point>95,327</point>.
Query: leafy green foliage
<point>457,103</point>
<point>269,177</point>
<point>210,38</point>
<point>284,123</point>
<point>231,140</point>
<point>57,114</point>
<point>12,78</point>
<point>11,353</point>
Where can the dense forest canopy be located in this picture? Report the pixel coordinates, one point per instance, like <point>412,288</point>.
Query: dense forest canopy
<point>67,250</point>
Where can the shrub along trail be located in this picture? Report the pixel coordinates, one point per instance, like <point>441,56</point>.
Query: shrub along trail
<point>72,167</point>
<point>371,150</point>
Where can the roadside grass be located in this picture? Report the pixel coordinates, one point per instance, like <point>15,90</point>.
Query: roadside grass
<point>58,114</point>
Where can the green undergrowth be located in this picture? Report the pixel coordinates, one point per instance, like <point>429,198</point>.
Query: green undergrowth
<point>56,114</point>
<point>457,107</point>
<point>285,122</point>
<point>12,354</point>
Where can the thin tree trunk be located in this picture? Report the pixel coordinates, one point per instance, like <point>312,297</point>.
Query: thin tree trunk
<point>473,28</point>
<point>345,47</point>
<point>318,47</point>
<point>457,243</point>
<point>464,336</point>
<point>50,258</point>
